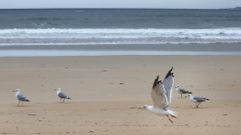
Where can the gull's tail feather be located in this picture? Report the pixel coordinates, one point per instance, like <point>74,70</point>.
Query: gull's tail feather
<point>26,100</point>
<point>183,91</point>
<point>68,97</point>
<point>207,99</point>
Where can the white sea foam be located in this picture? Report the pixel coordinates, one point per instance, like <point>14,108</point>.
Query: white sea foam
<point>118,36</point>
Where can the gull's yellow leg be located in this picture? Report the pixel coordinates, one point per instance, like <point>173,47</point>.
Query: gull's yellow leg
<point>169,118</point>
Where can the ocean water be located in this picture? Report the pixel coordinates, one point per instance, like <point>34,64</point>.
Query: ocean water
<point>102,27</point>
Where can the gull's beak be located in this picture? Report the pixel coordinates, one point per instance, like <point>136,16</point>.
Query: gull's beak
<point>141,107</point>
<point>14,91</point>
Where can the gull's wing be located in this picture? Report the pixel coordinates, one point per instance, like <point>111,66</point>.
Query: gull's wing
<point>62,95</point>
<point>185,91</point>
<point>20,97</point>
<point>200,99</point>
<point>158,94</point>
<point>168,84</point>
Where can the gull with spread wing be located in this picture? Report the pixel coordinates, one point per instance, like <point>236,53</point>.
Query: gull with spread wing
<point>161,96</point>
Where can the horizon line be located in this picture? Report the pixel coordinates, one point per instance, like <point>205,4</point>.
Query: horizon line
<point>233,8</point>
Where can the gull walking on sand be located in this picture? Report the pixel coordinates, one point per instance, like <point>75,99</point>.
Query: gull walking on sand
<point>161,96</point>
<point>20,97</point>
<point>62,96</point>
<point>182,91</point>
<point>197,100</point>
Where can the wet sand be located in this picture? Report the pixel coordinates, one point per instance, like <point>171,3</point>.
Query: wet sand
<point>107,91</point>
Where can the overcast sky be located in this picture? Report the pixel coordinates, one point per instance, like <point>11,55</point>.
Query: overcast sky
<point>200,4</point>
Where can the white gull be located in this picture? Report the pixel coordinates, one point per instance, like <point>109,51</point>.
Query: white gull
<point>20,97</point>
<point>161,96</point>
<point>62,96</point>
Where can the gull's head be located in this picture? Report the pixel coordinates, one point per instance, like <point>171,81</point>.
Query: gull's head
<point>57,89</point>
<point>147,107</point>
<point>17,90</point>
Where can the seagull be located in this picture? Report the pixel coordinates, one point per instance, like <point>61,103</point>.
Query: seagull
<point>161,96</point>
<point>20,97</point>
<point>62,96</point>
<point>197,100</point>
<point>182,91</point>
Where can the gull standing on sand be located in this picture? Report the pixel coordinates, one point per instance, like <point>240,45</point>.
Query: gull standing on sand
<point>197,100</point>
<point>62,96</point>
<point>20,97</point>
<point>182,91</point>
<point>161,96</point>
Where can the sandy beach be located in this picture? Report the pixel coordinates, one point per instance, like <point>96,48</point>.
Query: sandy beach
<point>106,93</point>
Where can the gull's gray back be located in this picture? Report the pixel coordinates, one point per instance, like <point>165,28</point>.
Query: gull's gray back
<point>20,97</point>
<point>62,95</point>
<point>199,99</point>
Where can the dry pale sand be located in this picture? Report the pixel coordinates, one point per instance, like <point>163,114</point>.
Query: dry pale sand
<point>107,91</point>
